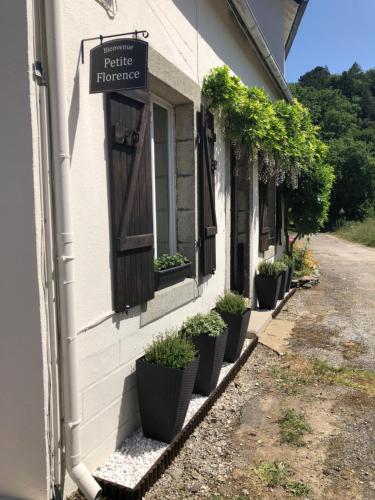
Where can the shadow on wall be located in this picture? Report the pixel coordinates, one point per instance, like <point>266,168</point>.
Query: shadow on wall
<point>74,108</point>
<point>199,15</point>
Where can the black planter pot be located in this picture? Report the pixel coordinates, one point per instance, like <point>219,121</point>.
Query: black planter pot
<point>290,277</point>
<point>283,284</point>
<point>267,289</point>
<point>237,329</point>
<point>164,395</point>
<point>211,353</point>
<point>171,276</point>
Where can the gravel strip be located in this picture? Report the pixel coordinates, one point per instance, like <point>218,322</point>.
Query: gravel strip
<point>137,453</point>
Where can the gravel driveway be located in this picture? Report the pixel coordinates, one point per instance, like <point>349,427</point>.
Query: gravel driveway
<point>334,322</point>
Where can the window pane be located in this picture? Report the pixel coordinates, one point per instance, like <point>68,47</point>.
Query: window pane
<point>161,178</point>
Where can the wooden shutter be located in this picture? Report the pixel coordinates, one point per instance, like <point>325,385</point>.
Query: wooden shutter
<point>131,198</point>
<point>279,215</point>
<point>207,167</point>
<point>264,229</point>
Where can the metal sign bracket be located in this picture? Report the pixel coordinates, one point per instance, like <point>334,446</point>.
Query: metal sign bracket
<point>135,33</point>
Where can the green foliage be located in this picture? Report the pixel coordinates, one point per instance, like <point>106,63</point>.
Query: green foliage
<point>298,488</point>
<point>303,263</point>
<point>166,261</point>
<point>273,472</point>
<point>272,269</point>
<point>308,206</point>
<point>277,473</point>
<point>359,232</point>
<point>283,132</point>
<point>231,302</point>
<point>171,350</point>
<point>354,190</point>
<point>203,324</point>
<point>344,108</point>
<point>293,426</point>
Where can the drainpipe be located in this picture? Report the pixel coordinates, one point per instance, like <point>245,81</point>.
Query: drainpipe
<point>62,185</point>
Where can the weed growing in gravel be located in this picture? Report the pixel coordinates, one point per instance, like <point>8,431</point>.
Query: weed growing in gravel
<point>293,426</point>
<point>298,489</point>
<point>295,372</point>
<point>276,473</point>
<point>273,472</point>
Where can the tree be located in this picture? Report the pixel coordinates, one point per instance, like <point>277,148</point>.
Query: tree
<point>318,78</point>
<point>355,179</point>
<point>307,207</point>
<point>343,106</point>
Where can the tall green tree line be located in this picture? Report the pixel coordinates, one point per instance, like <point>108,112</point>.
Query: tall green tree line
<point>344,108</point>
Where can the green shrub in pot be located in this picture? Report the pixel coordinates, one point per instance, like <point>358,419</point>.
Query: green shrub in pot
<point>268,283</point>
<point>171,350</point>
<point>232,308</point>
<point>165,380</point>
<point>288,261</point>
<point>208,333</point>
<point>231,302</point>
<point>210,324</point>
<point>271,269</point>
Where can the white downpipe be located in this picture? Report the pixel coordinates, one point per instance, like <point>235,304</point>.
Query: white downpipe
<point>61,165</point>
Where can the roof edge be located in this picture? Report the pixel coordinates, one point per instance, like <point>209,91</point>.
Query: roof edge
<point>302,4</point>
<point>249,25</point>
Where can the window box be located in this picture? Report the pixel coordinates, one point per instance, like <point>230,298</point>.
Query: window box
<point>171,276</point>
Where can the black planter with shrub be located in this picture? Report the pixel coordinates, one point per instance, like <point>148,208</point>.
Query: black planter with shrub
<point>208,333</point>
<point>268,282</point>
<point>165,382</point>
<point>232,308</point>
<point>171,269</point>
<point>290,277</point>
<point>284,282</point>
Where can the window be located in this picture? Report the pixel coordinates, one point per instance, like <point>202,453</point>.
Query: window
<point>163,167</point>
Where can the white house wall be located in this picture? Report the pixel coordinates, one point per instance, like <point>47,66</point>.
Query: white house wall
<point>194,36</point>
<point>24,454</point>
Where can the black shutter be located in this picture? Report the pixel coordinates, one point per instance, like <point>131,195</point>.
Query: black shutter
<point>264,229</point>
<point>207,167</point>
<point>131,198</point>
<point>279,215</point>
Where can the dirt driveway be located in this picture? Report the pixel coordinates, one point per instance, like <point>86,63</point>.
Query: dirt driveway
<point>301,424</point>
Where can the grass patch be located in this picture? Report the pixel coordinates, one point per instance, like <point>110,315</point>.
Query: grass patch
<point>295,372</point>
<point>298,489</point>
<point>359,232</point>
<point>277,473</point>
<point>293,426</point>
<point>362,380</point>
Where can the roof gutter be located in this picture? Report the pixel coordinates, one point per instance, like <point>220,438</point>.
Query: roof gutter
<point>297,21</point>
<point>249,25</point>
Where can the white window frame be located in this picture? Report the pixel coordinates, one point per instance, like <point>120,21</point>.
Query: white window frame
<point>171,174</point>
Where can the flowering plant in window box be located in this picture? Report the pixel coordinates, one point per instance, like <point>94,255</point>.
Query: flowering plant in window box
<point>171,269</point>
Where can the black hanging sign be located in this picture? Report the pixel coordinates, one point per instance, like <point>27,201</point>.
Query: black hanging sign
<point>120,64</point>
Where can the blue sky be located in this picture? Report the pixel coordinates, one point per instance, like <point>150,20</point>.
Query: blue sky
<point>335,33</point>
